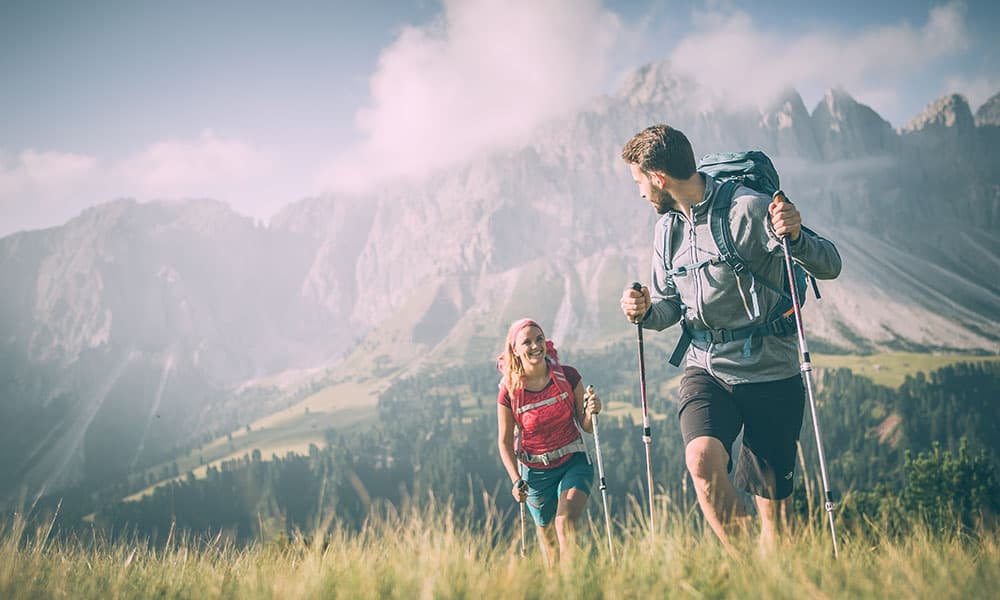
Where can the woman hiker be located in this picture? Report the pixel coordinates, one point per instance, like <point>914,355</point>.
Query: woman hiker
<point>550,470</point>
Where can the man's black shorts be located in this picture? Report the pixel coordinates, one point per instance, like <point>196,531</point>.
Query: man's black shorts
<point>770,415</point>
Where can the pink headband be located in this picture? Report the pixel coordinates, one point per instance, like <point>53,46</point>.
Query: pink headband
<point>519,325</point>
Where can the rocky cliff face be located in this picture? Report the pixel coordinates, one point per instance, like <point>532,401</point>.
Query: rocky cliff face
<point>948,114</point>
<point>989,112</point>
<point>121,331</point>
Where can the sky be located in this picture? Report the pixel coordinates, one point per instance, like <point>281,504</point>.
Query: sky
<point>260,104</point>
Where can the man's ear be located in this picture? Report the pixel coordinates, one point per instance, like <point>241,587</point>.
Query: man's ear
<point>658,178</point>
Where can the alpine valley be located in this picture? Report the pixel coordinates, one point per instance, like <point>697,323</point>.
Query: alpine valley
<point>138,328</point>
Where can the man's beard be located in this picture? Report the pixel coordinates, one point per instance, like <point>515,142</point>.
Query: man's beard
<point>662,201</point>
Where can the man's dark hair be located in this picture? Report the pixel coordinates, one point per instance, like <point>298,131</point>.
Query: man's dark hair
<point>661,148</point>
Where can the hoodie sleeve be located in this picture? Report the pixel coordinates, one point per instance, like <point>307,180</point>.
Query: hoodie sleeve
<point>817,255</point>
<point>666,302</point>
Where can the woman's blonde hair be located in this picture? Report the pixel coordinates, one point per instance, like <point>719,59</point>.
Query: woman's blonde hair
<point>508,362</point>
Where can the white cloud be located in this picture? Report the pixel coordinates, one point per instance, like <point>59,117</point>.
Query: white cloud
<point>483,75</point>
<point>42,189</point>
<point>46,173</point>
<point>208,166</point>
<point>872,63</point>
<point>35,186</point>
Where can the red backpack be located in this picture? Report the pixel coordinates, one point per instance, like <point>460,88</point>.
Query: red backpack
<point>565,393</point>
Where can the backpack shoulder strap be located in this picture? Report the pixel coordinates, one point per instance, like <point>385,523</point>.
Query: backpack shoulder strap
<point>719,225</point>
<point>515,402</point>
<point>723,236</point>
<point>562,382</point>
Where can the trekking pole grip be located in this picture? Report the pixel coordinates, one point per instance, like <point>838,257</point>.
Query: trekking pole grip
<point>638,287</point>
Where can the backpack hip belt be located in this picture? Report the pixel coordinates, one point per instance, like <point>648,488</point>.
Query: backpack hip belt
<point>577,445</point>
<point>779,327</point>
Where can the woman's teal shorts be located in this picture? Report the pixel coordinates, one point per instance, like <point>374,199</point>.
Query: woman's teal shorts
<point>545,486</point>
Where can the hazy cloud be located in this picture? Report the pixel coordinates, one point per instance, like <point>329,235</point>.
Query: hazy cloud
<point>870,63</point>
<point>484,74</point>
<point>35,172</point>
<point>208,166</point>
<point>38,189</point>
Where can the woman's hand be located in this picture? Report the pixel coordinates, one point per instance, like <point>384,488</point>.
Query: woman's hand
<point>520,490</point>
<point>591,403</point>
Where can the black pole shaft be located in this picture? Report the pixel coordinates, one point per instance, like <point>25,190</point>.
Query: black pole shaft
<point>647,435</point>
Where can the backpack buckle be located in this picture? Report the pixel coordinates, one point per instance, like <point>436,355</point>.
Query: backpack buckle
<point>719,336</point>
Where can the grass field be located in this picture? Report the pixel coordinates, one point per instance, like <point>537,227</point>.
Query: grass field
<point>438,554</point>
<point>890,369</point>
<point>340,406</point>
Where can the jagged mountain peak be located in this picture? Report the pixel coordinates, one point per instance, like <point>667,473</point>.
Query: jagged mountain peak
<point>202,214</point>
<point>989,112</point>
<point>788,99</point>
<point>847,128</point>
<point>838,103</point>
<point>948,111</point>
<point>839,107</point>
<point>651,83</point>
<point>785,110</point>
<point>787,121</point>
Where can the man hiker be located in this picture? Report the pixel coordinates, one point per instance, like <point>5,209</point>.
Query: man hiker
<point>742,368</point>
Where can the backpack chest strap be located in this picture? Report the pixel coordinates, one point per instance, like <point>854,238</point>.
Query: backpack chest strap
<point>685,269</point>
<point>541,403</point>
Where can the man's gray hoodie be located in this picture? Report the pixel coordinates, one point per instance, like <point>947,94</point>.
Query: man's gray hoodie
<point>715,297</point>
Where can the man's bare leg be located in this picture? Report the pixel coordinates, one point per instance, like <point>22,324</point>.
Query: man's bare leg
<point>773,520</point>
<point>706,459</point>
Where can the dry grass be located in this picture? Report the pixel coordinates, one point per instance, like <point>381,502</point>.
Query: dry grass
<point>436,554</point>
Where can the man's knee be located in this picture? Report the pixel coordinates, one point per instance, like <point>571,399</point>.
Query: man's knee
<point>706,458</point>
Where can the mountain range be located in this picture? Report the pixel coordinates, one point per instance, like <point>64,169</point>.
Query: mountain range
<point>128,331</point>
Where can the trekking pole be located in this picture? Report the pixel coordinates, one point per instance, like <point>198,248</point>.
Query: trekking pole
<point>523,545</point>
<point>517,449</point>
<point>600,472</point>
<point>806,367</point>
<point>647,436</point>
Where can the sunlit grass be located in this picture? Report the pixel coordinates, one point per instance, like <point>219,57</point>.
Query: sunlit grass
<point>891,368</point>
<point>436,553</point>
